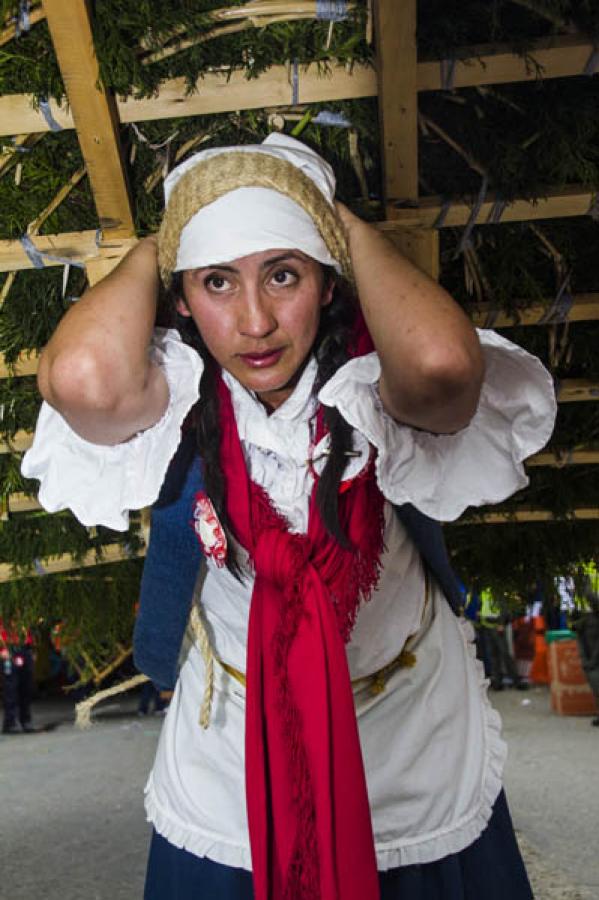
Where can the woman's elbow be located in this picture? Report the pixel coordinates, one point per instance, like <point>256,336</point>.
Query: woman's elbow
<point>77,381</point>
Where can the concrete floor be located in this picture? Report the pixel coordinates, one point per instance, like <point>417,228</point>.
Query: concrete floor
<point>72,823</point>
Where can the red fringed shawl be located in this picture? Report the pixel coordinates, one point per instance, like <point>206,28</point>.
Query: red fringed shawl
<point>309,818</point>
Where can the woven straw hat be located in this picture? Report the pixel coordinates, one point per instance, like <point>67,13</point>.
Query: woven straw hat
<point>216,174</point>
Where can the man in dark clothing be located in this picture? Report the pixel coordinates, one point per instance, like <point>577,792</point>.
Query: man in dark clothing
<point>16,657</point>
<point>587,631</point>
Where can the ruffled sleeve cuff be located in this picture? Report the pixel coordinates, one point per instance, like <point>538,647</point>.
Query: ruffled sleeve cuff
<point>99,483</point>
<point>442,475</point>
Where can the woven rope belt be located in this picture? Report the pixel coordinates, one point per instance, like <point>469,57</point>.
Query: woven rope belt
<point>376,682</point>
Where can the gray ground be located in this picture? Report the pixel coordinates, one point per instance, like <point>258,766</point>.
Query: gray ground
<point>72,824</point>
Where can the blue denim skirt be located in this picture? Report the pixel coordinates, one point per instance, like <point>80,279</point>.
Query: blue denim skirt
<point>490,868</point>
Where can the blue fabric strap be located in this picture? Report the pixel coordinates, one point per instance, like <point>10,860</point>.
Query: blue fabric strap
<point>331,10</point>
<point>294,83</point>
<point>331,119</point>
<point>447,74</point>
<point>170,570</point>
<point>37,257</point>
<point>592,62</point>
<point>46,112</point>
<point>465,241</point>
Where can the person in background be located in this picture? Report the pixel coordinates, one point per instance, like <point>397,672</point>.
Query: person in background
<point>494,618</point>
<point>17,658</point>
<point>523,631</point>
<point>587,632</point>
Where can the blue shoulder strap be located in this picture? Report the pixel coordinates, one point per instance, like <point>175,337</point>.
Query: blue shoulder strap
<point>174,556</point>
<point>427,534</point>
<point>170,571</point>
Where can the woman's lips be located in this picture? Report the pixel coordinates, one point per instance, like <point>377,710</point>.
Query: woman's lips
<point>262,360</point>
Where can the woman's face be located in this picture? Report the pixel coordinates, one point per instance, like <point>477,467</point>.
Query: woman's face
<point>258,316</point>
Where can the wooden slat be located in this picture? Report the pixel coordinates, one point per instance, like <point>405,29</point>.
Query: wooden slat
<point>216,92</point>
<point>94,114</point>
<point>396,54</point>
<point>585,308</point>
<point>573,200</point>
<point>76,246</point>
<point>18,503</point>
<point>573,390</point>
<point>579,456</point>
<point>420,246</point>
<point>557,58</point>
<point>110,553</point>
<point>273,88</point>
<point>26,364</point>
<point>526,515</point>
<point>20,442</point>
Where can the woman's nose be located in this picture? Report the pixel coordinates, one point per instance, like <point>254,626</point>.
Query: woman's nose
<point>257,319</point>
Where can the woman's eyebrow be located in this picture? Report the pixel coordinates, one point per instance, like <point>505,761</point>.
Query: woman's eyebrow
<point>291,254</point>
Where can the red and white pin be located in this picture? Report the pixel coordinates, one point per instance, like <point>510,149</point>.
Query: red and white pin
<point>208,529</point>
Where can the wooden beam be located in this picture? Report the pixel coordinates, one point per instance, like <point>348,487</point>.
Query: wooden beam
<point>527,515</point>
<point>230,90</point>
<point>557,459</point>
<point>19,442</point>
<point>396,54</point>
<point>64,563</point>
<point>73,246</point>
<point>585,308</point>
<point>215,92</point>
<point>573,390</point>
<point>94,113</point>
<point>573,200</point>
<point>26,364</point>
<point>420,246</point>
<point>476,66</point>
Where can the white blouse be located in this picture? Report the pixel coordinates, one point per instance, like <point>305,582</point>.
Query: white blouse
<point>431,743</point>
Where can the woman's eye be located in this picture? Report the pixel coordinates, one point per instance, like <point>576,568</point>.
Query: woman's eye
<point>216,283</point>
<point>284,277</point>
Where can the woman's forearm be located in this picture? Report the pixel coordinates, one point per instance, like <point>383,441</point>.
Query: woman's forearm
<point>95,369</point>
<point>431,361</point>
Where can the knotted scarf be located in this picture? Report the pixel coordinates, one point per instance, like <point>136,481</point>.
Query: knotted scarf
<point>308,813</point>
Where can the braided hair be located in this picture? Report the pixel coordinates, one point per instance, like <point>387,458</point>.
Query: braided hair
<point>331,350</point>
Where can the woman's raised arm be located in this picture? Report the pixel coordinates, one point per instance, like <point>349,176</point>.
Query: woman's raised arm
<point>431,362</point>
<point>95,369</point>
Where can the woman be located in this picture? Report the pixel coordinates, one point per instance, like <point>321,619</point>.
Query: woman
<point>314,612</point>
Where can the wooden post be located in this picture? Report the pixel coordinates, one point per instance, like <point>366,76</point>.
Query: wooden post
<point>93,112</point>
<point>397,68</point>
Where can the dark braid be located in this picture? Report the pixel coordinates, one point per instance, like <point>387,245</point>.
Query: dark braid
<point>331,352</point>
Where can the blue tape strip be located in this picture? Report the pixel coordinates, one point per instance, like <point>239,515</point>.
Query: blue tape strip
<point>559,311</point>
<point>497,211</point>
<point>294,83</point>
<point>447,74</point>
<point>331,119</point>
<point>331,10</point>
<point>38,567</point>
<point>37,256</point>
<point>473,216</point>
<point>23,20</point>
<point>592,62</point>
<point>44,107</point>
<point>446,206</point>
<point>491,318</point>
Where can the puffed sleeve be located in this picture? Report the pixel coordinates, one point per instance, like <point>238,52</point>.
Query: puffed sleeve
<point>483,463</point>
<point>99,483</point>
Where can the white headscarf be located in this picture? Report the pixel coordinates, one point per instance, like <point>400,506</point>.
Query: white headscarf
<point>252,219</point>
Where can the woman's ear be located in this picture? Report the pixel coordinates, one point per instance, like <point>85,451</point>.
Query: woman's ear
<point>327,291</point>
<point>182,307</point>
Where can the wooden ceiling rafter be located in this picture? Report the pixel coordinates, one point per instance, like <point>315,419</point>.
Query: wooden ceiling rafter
<point>228,90</point>
<point>94,114</point>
